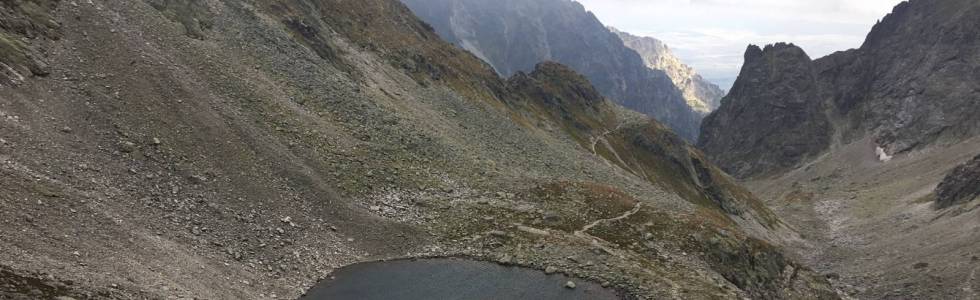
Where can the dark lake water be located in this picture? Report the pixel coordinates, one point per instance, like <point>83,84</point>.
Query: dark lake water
<point>449,278</point>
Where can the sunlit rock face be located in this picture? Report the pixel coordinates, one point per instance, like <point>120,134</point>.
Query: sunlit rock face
<point>701,95</point>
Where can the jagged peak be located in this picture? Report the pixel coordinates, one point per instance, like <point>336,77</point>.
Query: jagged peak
<point>881,28</point>
<point>754,54</point>
<point>552,68</point>
<point>899,22</point>
<point>781,46</point>
<point>558,79</point>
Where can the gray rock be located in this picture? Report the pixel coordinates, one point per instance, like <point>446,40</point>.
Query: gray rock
<point>197,179</point>
<point>569,285</point>
<point>550,216</point>
<point>701,95</point>
<point>912,84</point>
<point>960,186</point>
<point>127,147</point>
<point>499,233</point>
<point>772,119</point>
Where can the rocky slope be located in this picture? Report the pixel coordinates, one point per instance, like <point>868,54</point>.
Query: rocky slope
<point>237,149</point>
<point>849,149</point>
<point>911,85</point>
<point>701,95</point>
<point>515,35</point>
<point>962,185</point>
<point>24,24</point>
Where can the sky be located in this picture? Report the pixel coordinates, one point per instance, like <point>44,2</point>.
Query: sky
<point>711,35</point>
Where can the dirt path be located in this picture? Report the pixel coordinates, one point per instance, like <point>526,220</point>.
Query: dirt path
<point>675,290</point>
<point>619,159</point>
<point>598,242</point>
<point>625,215</point>
<point>595,140</point>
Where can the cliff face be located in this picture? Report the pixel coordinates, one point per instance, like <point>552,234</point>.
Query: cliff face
<point>774,105</point>
<point>515,35</point>
<point>701,95</point>
<point>912,84</point>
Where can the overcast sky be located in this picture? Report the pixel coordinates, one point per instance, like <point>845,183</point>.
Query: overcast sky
<point>711,35</point>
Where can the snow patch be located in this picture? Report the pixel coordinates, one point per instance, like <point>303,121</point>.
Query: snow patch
<point>883,155</point>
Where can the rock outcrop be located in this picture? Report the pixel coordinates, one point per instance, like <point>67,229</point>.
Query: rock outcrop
<point>23,25</point>
<point>701,95</point>
<point>962,185</point>
<point>912,84</point>
<point>516,35</point>
<point>775,105</point>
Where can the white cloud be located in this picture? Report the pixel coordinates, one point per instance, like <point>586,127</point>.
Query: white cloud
<point>711,35</point>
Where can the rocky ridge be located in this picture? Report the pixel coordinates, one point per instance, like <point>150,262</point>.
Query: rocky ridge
<point>516,35</point>
<point>868,152</point>
<point>906,88</point>
<point>778,97</point>
<point>701,95</point>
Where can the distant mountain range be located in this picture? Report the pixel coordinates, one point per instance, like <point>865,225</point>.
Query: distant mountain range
<point>701,95</point>
<point>515,35</point>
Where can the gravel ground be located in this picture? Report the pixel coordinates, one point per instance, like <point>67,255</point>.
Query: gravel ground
<point>872,226</point>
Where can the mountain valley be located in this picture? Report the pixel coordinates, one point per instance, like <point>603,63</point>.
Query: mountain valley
<point>247,149</point>
<point>867,152</point>
<point>515,35</point>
